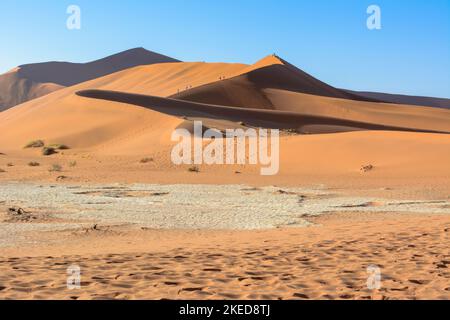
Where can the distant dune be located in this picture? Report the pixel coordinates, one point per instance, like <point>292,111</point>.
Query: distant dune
<point>404,99</point>
<point>16,89</point>
<point>31,81</point>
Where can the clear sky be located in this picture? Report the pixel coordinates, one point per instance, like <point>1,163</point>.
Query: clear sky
<point>327,38</point>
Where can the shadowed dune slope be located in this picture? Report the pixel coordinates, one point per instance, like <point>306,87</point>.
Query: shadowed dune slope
<point>247,89</point>
<point>15,89</point>
<point>30,81</point>
<point>311,123</point>
<point>387,114</point>
<point>275,73</point>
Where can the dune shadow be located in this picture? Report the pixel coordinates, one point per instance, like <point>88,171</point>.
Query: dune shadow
<point>272,119</point>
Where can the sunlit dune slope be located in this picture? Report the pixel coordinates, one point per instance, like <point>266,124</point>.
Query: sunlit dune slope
<point>80,122</point>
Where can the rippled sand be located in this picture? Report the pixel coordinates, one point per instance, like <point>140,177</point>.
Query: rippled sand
<point>219,242</point>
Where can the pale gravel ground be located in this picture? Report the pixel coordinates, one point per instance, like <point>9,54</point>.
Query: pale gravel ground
<point>184,206</point>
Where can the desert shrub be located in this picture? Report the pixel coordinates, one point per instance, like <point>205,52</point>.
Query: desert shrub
<point>35,144</point>
<point>146,160</point>
<point>194,169</point>
<point>10,164</point>
<point>58,146</point>
<point>72,164</point>
<point>55,168</point>
<point>1,170</point>
<point>34,164</point>
<point>48,151</point>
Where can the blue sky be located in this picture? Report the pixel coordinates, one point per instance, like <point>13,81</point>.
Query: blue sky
<point>327,38</point>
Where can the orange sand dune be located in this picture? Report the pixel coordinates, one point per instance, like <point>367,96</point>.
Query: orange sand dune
<point>274,84</point>
<point>245,90</point>
<point>64,117</point>
<point>386,114</point>
<point>31,81</point>
<point>316,122</point>
<point>81,122</point>
<point>405,99</point>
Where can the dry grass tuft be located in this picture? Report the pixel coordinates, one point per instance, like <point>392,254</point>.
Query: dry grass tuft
<point>72,164</point>
<point>55,168</point>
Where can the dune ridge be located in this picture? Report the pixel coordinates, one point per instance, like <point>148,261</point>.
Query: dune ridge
<point>251,117</point>
<point>247,88</point>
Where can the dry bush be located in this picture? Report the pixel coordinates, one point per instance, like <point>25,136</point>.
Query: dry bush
<point>194,169</point>
<point>35,144</point>
<point>55,168</point>
<point>147,160</point>
<point>58,146</point>
<point>48,151</point>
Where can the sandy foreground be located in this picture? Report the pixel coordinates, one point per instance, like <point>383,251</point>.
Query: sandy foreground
<point>145,241</point>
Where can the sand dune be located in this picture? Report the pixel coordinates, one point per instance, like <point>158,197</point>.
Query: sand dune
<point>30,81</point>
<point>246,90</point>
<point>316,122</point>
<point>64,117</point>
<point>386,114</point>
<point>274,84</point>
<point>95,123</point>
<point>405,99</point>
<point>15,89</point>
<point>252,95</point>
